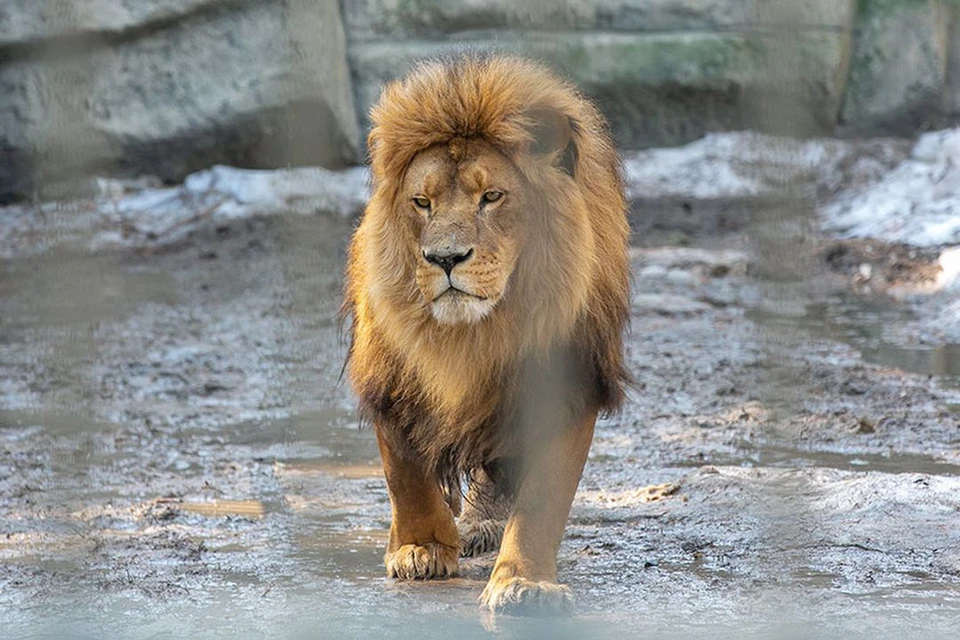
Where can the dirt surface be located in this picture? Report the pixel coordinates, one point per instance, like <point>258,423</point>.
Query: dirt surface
<point>178,459</point>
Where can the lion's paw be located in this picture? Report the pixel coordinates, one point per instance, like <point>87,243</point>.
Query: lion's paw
<point>519,596</point>
<point>416,562</point>
<point>479,536</point>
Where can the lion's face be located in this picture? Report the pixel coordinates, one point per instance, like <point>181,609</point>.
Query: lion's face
<point>466,202</point>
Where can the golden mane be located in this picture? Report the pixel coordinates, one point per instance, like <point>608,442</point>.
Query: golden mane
<point>454,389</point>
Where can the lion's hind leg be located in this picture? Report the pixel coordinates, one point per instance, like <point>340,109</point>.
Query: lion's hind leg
<point>484,516</point>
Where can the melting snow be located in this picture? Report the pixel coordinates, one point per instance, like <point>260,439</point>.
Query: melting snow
<point>880,189</point>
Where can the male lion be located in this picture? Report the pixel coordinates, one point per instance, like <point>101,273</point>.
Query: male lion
<point>488,288</point>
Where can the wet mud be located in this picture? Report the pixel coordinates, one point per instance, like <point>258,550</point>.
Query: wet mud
<point>179,458</point>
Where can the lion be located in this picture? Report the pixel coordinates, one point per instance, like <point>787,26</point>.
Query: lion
<point>487,289</point>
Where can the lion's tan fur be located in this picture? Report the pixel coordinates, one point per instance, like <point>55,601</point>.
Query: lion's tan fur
<point>453,393</point>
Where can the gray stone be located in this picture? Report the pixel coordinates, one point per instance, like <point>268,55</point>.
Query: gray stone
<point>899,68</point>
<point>664,72</point>
<point>952,105</point>
<point>400,19</point>
<point>663,89</point>
<point>34,22</point>
<point>185,85</point>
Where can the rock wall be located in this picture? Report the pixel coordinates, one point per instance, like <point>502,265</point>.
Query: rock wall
<point>664,71</point>
<point>901,67</point>
<point>166,87</point>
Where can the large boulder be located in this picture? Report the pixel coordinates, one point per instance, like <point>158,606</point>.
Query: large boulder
<point>370,20</point>
<point>36,22</point>
<point>952,105</point>
<point>665,72</point>
<point>166,87</point>
<point>899,67</point>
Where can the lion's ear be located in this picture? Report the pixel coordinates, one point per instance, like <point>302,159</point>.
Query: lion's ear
<point>553,136</point>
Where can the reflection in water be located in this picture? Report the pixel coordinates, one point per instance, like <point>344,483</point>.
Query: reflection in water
<point>943,360</point>
<point>757,454</point>
<point>221,508</point>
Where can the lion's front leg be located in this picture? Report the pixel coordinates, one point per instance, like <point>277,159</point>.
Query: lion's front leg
<point>424,542</point>
<point>524,578</point>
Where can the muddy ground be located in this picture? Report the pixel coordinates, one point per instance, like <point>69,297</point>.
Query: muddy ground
<point>179,460</point>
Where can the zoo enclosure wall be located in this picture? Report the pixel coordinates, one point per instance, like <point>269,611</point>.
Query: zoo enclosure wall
<point>167,87</point>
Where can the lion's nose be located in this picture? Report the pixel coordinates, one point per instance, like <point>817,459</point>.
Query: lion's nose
<point>447,260</point>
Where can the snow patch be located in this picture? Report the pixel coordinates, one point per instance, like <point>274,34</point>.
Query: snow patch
<point>744,165</point>
<point>949,277</point>
<point>156,215</point>
<point>226,193</point>
<point>883,189</point>
<point>916,203</point>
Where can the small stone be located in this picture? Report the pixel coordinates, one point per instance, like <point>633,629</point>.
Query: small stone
<point>865,425</point>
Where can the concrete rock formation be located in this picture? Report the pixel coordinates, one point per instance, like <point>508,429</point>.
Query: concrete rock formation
<point>900,67</point>
<point>167,87</point>
<point>665,71</point>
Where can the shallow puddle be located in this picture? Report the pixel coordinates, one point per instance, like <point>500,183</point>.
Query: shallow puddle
<point>864,324</point>
<point>942,361</point>
<point>785,457</point>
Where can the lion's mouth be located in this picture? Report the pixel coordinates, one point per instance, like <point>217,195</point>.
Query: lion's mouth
<point>456,306</point>
<point>455,292</point>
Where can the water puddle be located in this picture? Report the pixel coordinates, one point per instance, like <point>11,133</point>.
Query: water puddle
<point>865,325</point>
<point>942,361</point>
<point>55,422</point>
<point>71,290</point>
<point>778,456</point>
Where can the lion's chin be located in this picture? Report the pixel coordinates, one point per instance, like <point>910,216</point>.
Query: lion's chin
<point>456,307</point>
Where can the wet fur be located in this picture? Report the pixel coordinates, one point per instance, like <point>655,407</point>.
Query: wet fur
<point>468,396</point>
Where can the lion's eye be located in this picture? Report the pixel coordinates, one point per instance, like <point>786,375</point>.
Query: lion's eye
<point>491,196</point>
<point>421,202</point>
